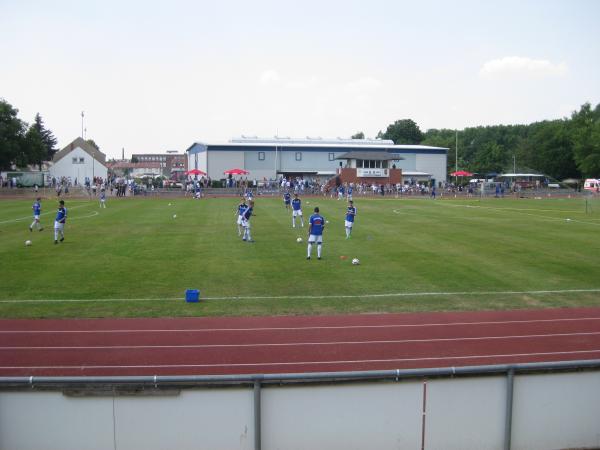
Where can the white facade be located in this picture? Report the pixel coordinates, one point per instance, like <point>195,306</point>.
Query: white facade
<point>78,164</point>
<point>270,158</point>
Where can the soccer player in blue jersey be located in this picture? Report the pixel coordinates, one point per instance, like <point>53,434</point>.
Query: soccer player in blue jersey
<point>102,198</point>
<point>37,211</point>
<point>246,222</point>
<point>316,224</point>
<point>240,215</point>
<point>286,200</point>
<point>349,222</point>
<point>59,222</point>
<point>349,193</point>
<point>297,211</point>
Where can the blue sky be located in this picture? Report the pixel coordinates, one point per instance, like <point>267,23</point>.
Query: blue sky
<point>157,76</point>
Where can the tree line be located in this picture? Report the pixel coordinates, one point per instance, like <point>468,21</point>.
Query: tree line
<point>22,144</point>
<point>563,148</point>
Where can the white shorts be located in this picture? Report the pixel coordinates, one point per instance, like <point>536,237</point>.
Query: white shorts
<point>59,226</point>
<point>296,213</point>
<point>240,221</point>
<point>36,217</point>
<point>318,238</point>
<point>246,223</point>
<point>348,224</point>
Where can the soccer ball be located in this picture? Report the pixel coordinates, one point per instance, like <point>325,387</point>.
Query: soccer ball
<point>174,216</point>
<point>355,261</point>
<point>299,240</point>
<point>27,243</point>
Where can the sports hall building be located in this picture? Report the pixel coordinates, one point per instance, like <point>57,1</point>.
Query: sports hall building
<point>315,158</point>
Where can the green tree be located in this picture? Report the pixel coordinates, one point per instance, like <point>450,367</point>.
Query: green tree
<point>359,135</point>
<point>586,139</point>
<point>91,142</point>
<point>12,131</point>
<point>36,149</point>
<point>404,131</point>
<point>47,137</point>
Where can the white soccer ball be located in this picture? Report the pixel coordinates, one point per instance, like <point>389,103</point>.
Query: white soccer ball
<point>355,261</point>
<point>299,240</point>
<point>174,216</point>
<point>327,221</point>
<point>27,243</point>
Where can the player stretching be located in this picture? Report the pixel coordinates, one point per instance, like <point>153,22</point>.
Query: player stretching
<point>37,210</point>
<point>286,200</point>
<point>246,222</point>
<point>297,211</point>
<point>240,215</point>
<point>316,224</point>
<point>59,222</point>
<point>350,213</point>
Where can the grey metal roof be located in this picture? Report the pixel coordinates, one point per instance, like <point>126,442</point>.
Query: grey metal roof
<point>373,156</point>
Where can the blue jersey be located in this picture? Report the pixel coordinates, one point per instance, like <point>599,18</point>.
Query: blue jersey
<point>286,197</point>
<point>102,196</point>
<point>247,213</point>
<point>317,223</point>
<point>241,208</point>
<point>296,204</point>
<point>61,215</point>
<point>349,191</point>
<point>350,213</point>
<point>37,208</point>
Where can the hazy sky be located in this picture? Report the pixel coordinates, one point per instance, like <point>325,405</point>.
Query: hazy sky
<point>157,76</point>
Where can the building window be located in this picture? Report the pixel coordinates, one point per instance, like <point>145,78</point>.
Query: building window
<point>359,163</point>
<point>74,160</point>
<point>261,156</point>
<point>298,156</point>
<point>331,156</point>
<point>81,160</point>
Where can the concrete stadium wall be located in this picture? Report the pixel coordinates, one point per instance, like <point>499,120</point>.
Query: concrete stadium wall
<point>550,411</point>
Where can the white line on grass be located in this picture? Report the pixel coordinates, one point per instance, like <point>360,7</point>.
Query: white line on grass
<point>301,363</point>
<point>43,214</point>
<point>312,297</point>
<point>323,327</point>
<point>294,344</point>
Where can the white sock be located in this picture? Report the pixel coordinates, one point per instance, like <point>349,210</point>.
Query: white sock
<point>318,250</point>
<point>32,224</point>
<point>309,249</point>
<point>347,232</point>
<point>293,222</point>
<point>55,234</point>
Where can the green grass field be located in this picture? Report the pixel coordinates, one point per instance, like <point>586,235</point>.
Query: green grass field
<point>135,259</point>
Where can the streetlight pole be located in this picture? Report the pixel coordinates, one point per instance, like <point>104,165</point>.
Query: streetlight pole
<point>514,164</point>
<point>82,114</point>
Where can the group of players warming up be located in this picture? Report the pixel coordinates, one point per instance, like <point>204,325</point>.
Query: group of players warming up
<point>316,222</point>
<point>59,221</point>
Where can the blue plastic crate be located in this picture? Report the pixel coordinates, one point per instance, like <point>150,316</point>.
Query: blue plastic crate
<point>192,296</point>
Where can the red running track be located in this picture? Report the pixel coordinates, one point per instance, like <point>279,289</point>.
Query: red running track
<point>294,344</point>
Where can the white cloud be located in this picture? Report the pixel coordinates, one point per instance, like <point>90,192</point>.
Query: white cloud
<point>511,66</point>
<point>269,77</point>
<point>301,84</point>
<point>366,84</point>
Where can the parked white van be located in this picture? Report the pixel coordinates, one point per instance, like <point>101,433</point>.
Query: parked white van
<point>592,184</point>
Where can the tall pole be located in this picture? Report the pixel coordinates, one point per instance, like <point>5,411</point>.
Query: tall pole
<point>514,164</point>
<point>82,114</point>
<point>456,158</point>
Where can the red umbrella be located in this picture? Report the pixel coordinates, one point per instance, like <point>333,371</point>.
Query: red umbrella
<point>236,172</point>
<point>461,173</point>
<point>195,172</point>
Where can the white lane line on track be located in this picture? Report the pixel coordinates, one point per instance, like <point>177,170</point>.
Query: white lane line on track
<point>295,344</point>
<point>300,363</point>
<point>311,297</point>
<point>323,327</point>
